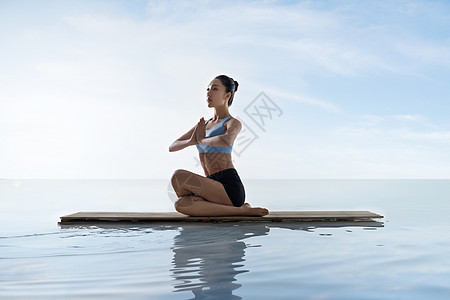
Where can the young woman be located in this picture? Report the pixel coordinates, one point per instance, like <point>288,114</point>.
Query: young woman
<point>221,192</point>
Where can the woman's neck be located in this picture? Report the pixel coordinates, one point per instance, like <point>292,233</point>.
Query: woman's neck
<point>221,112</point>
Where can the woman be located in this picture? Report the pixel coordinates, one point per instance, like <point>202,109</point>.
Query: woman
<point>221,192</point>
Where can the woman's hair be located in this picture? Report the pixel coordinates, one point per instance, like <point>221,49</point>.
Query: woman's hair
<point>230,84</point>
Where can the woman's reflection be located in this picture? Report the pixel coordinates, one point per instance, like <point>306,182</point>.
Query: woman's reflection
<point>208,257</point>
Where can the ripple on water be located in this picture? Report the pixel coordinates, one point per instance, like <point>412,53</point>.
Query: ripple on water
<point>88,261</point>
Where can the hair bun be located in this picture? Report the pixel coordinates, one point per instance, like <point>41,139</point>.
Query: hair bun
<point>236,84</point>
<point>230,85</point>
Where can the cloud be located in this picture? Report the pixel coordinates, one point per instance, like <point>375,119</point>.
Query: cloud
<point>424,53</point>
<point>324,105</point>
<point>314,39</point>
<point>403,127</point>
<point>443,136</point>
<point>415,118</point>
<point>299,38</point>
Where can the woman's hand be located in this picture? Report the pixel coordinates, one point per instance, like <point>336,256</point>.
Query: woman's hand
<point>199,131</point>
<point>190,137</point>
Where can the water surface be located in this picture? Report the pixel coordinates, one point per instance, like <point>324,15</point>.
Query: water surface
<point>406,256</point>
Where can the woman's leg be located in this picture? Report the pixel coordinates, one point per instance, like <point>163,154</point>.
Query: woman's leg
<point>210,197</point>
<point>195,206</point>
<point>187,183</point>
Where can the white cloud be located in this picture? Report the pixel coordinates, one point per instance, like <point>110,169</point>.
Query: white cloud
<point>418,118</point>
<point>327,106</point>
<point>443,136</point>
<point>402,126</point>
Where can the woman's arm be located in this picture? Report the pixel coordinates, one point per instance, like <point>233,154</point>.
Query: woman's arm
<point>185,140</point>
<point>233,127</point>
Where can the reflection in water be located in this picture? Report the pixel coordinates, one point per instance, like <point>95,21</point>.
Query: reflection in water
<point>207,257</point>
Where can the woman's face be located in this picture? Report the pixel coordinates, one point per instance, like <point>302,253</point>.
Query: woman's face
<point>216,94</point>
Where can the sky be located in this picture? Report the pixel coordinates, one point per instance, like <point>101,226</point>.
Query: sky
<point>327,89</point>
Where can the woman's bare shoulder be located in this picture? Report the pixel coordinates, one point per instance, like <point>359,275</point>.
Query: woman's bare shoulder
<point>233,123</point>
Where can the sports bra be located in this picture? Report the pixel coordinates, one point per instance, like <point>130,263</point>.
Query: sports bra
<point>219,129</point>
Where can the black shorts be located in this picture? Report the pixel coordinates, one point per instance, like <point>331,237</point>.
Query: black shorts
<point>232,183</point>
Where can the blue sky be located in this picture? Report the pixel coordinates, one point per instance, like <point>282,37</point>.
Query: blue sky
<point>99,89</point>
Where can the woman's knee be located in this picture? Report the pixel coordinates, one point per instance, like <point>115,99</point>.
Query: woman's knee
<point>179,175</point>
<point>185,182</point>
<point>178,178</point>
<point>184,203</point>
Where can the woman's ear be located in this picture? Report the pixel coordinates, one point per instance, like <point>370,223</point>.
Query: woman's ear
<point>228,95</point>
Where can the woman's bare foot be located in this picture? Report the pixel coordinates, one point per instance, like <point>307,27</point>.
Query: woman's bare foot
<point>254,211</point>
